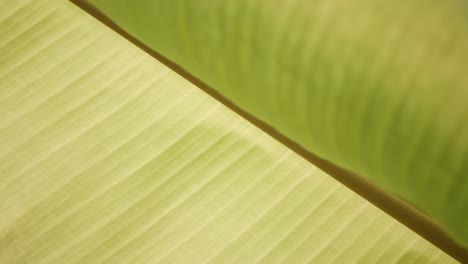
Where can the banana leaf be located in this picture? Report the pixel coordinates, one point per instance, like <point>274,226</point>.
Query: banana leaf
<point>109,156</point>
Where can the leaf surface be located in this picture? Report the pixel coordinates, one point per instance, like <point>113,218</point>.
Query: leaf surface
<point>107,156</point>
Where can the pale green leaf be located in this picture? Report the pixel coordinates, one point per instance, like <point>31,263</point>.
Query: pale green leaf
<point>107,156</point>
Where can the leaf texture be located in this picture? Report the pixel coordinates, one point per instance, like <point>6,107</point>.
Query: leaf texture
<point>107,156</point>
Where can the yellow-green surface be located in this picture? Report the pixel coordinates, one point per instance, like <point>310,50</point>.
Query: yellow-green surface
<point>106,156</point>
<point>377,87</point>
